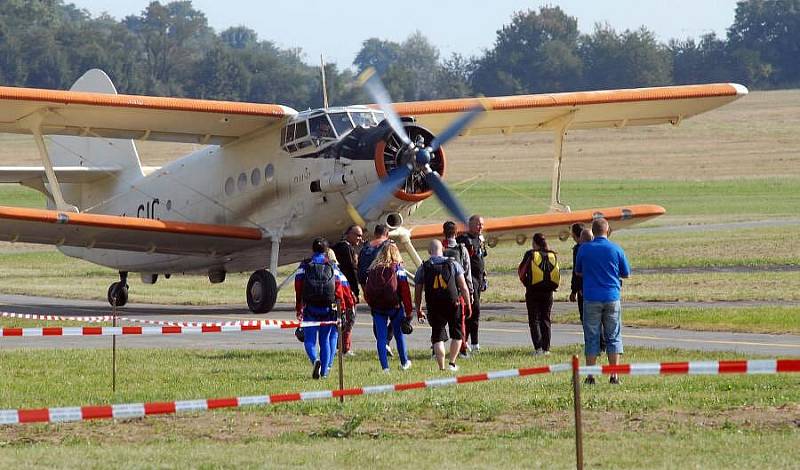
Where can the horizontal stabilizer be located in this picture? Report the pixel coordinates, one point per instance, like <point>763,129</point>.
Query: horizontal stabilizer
<point>65,174</point>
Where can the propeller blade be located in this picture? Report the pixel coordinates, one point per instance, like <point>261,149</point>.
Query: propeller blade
<point>457,126</point>
<point>385,189</point>
<point>447,198</point>
<point>369,79</point>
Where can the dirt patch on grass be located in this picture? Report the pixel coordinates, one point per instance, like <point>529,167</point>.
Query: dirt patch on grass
<point>247,426</point>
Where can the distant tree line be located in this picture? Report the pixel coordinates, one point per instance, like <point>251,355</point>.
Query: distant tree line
<point>169,49</point>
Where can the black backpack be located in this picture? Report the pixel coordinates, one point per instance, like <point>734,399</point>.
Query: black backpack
<point>319,285</point>
<point>455,254</point>
<point>440,283</point>
<point>365,258</point>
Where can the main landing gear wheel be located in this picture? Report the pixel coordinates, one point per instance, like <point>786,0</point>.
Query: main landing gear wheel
<point>118,294</point>
<point>262,291</point>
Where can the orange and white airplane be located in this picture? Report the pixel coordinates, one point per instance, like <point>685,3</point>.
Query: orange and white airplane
<point>270,179</point>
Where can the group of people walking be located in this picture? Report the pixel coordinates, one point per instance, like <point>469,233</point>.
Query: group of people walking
<point>335,280</point>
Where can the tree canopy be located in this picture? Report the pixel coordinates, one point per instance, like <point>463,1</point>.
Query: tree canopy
<point>169,49</point>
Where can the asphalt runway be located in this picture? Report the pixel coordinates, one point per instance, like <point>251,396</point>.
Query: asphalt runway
<point>512,331</point>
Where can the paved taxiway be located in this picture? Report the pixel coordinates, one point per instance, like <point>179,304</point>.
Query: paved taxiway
<point>513,331</point>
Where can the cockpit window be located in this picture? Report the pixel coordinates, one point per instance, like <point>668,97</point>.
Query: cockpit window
<point>321,129</point>
<point>301,130</point>
<point>364,119</point>
<point>342,123</point>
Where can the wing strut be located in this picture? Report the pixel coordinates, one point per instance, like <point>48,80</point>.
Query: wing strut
<point>34,123</point>
<point>560,125</point>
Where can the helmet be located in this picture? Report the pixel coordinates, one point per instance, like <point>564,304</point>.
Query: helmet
<point>300,335</point>
<point>406,326</point>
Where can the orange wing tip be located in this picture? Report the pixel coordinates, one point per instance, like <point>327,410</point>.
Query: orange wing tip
<point>129,223</point>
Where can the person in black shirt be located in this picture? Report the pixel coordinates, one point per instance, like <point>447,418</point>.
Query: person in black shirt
<point>476,247</point>
<point>347,253</point>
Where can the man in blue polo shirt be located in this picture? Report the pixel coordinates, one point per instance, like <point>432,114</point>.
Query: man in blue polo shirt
<point>602,265</point>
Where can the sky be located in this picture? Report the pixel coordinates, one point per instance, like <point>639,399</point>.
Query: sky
<point>469,27</point>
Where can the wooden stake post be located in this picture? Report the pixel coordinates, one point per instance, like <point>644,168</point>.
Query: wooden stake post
<point>576,388</point>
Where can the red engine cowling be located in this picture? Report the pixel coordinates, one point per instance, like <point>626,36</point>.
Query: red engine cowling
<point>389,154</point>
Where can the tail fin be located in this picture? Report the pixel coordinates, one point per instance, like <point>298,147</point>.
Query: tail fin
<point>93,152</point>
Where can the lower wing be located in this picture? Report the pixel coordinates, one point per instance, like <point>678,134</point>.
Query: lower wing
<point>556,224</point>
<point>123,233</point>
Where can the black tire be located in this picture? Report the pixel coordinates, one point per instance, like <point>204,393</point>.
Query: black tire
<point>262,291</point>
<point>122,294</point>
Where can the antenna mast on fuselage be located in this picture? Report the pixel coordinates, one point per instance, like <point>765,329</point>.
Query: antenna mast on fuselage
<point>324,85</point>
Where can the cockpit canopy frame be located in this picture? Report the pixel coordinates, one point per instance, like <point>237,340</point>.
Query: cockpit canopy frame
<point>317,128</point>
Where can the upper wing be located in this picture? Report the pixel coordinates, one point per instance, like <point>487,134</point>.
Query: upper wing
<point>557,224</point>
<point>589,109</point>
<point>123,233</point>
<point>79,113</point>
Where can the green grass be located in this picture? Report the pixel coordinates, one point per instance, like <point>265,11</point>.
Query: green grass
<point>775,320</point>
<point>19,196</point>
<point>693,421</point>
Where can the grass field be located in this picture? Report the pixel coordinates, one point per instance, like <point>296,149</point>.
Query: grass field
<point>653,422</point>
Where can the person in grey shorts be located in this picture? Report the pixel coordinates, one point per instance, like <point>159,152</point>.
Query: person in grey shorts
<point>602,265</point>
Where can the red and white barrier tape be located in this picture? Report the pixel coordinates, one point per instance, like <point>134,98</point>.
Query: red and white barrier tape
<point>108,318</point>
<point>138,410</point>
<point>33,316</point>
<point>769,366</point>
<point>148,330</point>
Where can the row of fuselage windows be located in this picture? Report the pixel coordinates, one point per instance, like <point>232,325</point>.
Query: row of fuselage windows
<point>255,179</point>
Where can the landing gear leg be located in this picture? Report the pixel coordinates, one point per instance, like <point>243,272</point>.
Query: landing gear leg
<point>118,291</point>
<point>262,290</point>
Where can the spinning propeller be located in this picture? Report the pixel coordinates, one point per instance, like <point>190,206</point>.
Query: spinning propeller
<point>415,155</point>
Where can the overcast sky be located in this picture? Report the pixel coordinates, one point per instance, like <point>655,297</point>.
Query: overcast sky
<point>337,28</point>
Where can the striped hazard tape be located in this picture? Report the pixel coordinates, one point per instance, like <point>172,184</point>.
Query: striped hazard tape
<point>149,330</point>
<point>108,318</point>
<point>138,410</point>
<point>769,366</point>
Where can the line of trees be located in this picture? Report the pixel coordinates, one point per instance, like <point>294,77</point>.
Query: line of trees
<point>169,49</point>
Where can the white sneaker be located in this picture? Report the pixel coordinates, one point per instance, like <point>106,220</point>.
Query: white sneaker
<point>350,353</point>
<point>476,347</point>
<point>386,371</point>
<point>453,367</point>
<point>546,353</point>
<point>406,366</point>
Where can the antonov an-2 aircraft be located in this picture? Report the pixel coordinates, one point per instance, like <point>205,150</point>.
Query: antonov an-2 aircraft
<point>270,179</point>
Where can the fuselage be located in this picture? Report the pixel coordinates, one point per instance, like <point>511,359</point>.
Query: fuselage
<point>284,183</point>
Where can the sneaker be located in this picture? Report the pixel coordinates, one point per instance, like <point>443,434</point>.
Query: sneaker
<point>350,353</point>
<point>315,372</point>
<point>406,366</point>
<point>476,347</point>
<point>614,380</point>
<point>546,353</point>
<point>386,371</point>
<point>464,354</point>
<point>453,367</point>
<point>589,380</point>
<point>389,351</point>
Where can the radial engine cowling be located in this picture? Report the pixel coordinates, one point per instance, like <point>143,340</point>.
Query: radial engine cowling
<point>390,154</point>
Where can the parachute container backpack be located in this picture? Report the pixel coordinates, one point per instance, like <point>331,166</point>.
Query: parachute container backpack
<point>545,273</point>
<point>319,285</point>
<point>381,287</point>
